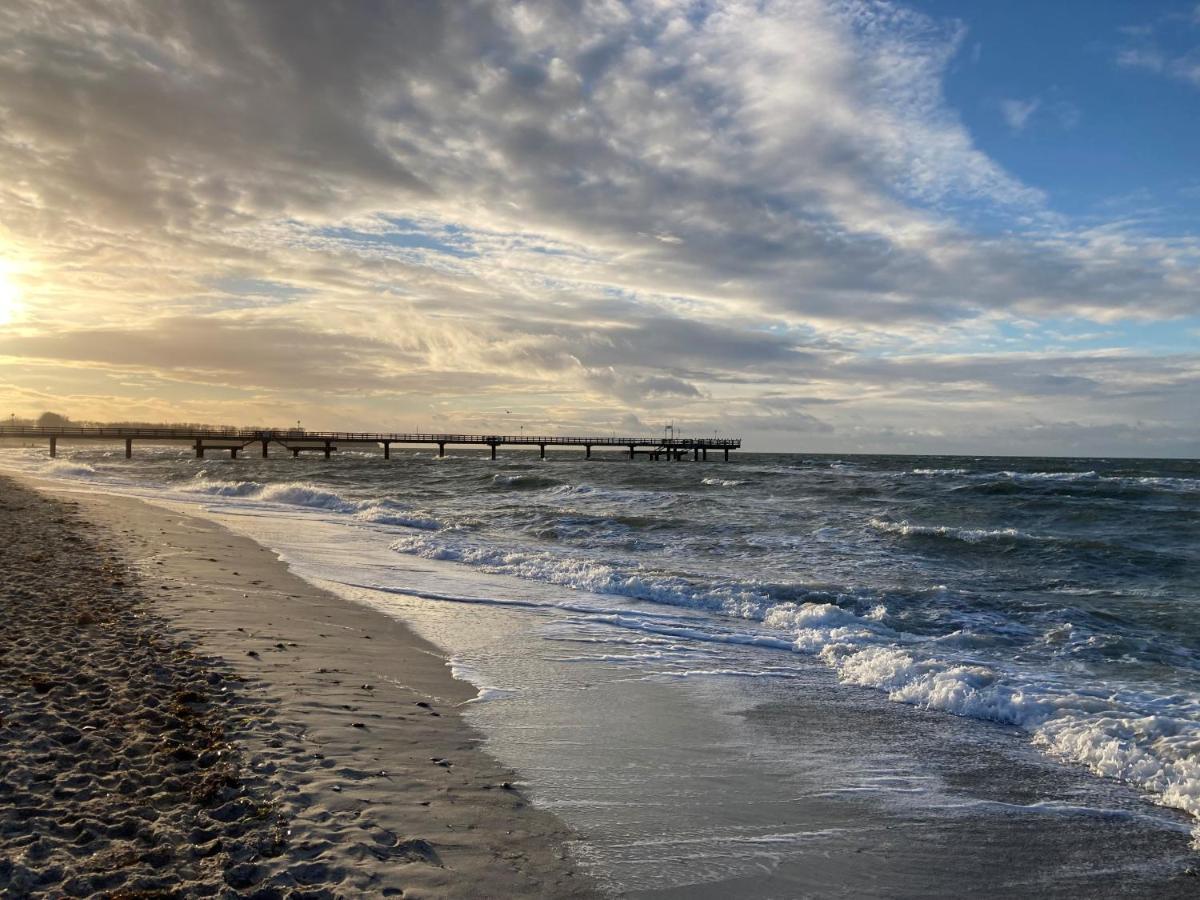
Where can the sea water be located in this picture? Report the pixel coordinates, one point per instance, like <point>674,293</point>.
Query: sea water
<point>647,635</point>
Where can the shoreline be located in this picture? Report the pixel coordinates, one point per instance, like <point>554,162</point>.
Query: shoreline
<point>979,793</point>
<point>382,783</point>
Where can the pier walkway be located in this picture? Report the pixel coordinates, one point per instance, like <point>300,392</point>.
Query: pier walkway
<point>297,441</point>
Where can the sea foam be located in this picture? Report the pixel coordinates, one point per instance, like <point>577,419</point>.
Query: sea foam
<point>69,469</point>
<point>1148,741</point>
<point>304,494</point>
<point>967,535</point>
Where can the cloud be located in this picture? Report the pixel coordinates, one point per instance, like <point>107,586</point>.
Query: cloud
<point>1146,47</point>
<point>619,211</point>
<point>1017,112</point>
<point>1057,109</point>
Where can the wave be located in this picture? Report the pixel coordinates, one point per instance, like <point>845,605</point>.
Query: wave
<point>524,481</point>
<point>1145,740</point>
<point>967,535</point>
<point>578,572</point>
<point>293,493</point>
<point>1046,476</point>
<point>608,495</point>
<point>203,485</point>
<point>1163,482</point>
<point>722,482</point>
<point>1178,484</point>
<point>1151,742</point>
<point>310,496</point>
<point>382,515</point>
<point>69,469</point>
<point>1172,483</point>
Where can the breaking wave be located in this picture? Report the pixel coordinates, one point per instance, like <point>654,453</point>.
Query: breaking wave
<point>69,469</point>
<point>1149,741</point>
<point>523,481</point>
<point>304,494</point>
<point>967,535</point>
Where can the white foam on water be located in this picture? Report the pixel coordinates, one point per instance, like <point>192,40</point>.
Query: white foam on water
<point>583,573</point>
<point>463,671</point>
<point>1047,476</point>
<point>302,493</point>
<point>380,517</point>
<point>722,482</point>
<point>305,494</point>
<point>771,672</point>
<point>523,479</point>
<point>967,535</point>
<point>202,484</point>
<point>607,495</point>
<point>69,469</point>
<point>1148,741</point>
<point>1167,482</point>
<point>390,512</point>
<point>1151,742</point>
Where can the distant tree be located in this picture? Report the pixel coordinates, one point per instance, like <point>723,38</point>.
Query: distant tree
<point>52,420</point>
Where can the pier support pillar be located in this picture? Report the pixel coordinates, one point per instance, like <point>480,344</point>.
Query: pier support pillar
<point>696,454</point>
<point>129,448</point>
<point>493,446</point>
<point>264,449</point>
<point>587,448</point>
<point>543,449</point>
<point>441,450</point>
<point>631,452</point>
<point>704,453</point>
<point>53,446</point>
<point>295,453</point>
<point>199,449</point>
<point>726,454</point>
<point>387,450</point>
<point>233,452</point>
<point>328,449</point>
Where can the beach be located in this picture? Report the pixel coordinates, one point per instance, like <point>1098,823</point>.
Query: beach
<point>182,716</point>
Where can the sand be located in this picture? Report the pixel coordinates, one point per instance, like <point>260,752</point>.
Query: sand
<point>182,716</point>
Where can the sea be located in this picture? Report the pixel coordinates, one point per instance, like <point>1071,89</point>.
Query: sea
<point>789,674</point>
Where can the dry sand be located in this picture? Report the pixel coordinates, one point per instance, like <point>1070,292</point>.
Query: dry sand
<point>182,716</point>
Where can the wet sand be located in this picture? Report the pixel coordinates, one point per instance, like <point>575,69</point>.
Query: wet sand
<point>182,716</point>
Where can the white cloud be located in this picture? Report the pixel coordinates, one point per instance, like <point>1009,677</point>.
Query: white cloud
<point>1145,49</point>
<point>617,210</point>
<point>1017,112</point>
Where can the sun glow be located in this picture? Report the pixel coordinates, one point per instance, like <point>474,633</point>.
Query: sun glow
<point>10,298</point>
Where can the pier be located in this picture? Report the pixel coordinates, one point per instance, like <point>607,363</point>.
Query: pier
<point>296,441</point>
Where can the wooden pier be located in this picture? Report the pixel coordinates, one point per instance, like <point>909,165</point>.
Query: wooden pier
<point>297,441</point>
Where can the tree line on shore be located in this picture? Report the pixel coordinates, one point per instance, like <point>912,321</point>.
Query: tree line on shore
<point>58,420</point>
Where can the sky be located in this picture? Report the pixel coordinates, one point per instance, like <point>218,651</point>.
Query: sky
<point>819,225</point>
